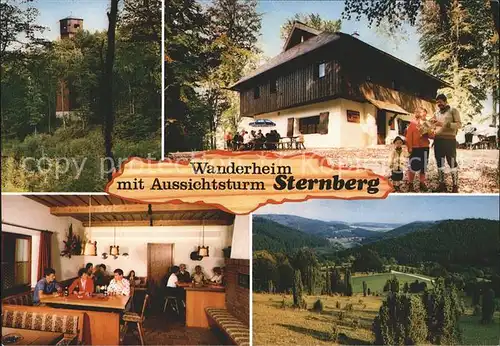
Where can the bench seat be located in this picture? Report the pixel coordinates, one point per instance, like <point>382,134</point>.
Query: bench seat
<point>44,319</point>
<point>24,298</point>
<point>237,331</point>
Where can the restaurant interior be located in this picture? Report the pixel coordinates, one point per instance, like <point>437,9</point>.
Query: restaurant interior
<point>108,234</point>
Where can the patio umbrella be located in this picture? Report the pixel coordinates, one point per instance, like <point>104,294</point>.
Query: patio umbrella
<point>262,123</point>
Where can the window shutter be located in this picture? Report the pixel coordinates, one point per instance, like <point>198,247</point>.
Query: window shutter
<point>289,129</point>
<point>323,123</point>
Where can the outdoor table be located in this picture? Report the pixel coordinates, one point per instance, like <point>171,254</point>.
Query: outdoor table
<point>290,142</point>
<point>32,337</point>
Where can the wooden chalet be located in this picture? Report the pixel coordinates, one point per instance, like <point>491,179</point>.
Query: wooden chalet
<point>336,90</point>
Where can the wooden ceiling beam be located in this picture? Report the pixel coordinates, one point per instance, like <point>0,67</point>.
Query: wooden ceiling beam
<point>221,222</point>
<point>127,208</point>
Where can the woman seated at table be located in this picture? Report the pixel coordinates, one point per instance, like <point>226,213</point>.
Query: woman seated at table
<point>197,277</point>
<point>83,285</point>
<point>217,278</point>
<point>132,279</point>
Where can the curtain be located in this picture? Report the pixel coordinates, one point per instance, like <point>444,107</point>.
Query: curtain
<point>44,255</point>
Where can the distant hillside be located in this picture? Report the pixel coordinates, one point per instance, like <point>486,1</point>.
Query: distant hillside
<point>402,230</point>
<point>381,225</point>
<point>272,236</point>
<point>326,229</point>
<point>470,242</point>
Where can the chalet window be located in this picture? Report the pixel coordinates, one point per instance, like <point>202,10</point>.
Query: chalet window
<point>16,262</point>
<point>321,70</point>
<point>256,92</point>
<point>273,86</point>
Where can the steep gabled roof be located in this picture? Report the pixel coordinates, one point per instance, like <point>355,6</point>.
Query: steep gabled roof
<point>314,43</point>
<point>299,30</point>
<point>290,54</point>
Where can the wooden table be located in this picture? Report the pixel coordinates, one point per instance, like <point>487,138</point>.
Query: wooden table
<point>33,337</point>
<point>199,298</point>
<point>101,316</point>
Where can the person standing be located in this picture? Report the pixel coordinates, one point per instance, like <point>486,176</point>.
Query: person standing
<point>417,142</point>
<point>447,122</point>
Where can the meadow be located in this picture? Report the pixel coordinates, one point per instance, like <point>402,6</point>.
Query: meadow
<point>376,282</point>
<point>275,322</point>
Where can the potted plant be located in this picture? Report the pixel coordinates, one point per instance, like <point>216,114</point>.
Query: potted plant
<point>72,245</point>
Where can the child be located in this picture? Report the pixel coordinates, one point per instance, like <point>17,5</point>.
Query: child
<point>398,160</point>
<point>417,142</point>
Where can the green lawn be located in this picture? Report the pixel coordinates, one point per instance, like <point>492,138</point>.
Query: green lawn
<point>376,282</point>
<point>475,333</point>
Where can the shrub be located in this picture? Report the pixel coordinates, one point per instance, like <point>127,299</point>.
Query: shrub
<point>360,301</point>
<point>338,305</point>
<point>318,306</point>
<point>303,304</point>
<point>488,307</point>
<point>355,323</point>
<point>334,333</point>
<point>348,307</point>
<point>341,315</point>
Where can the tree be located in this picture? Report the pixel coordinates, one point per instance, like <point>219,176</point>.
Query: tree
<point>285,273</point>
<point>337,286</point>
<point>365,286</point>
<point>306,262</point>
<point>367,260</point>
<point>488,306</point>
<point>392,285</point>
<point>461,50</point>
<point>348,283</point>
<point>234,26</point>
<point>400,321</point>
<point>313,20</point>
<point>106,99</point>
<point>444,309</point>
<point>297,290</point>
<point>406,288</point>
<point>265,271</point>
<point>18,28</point>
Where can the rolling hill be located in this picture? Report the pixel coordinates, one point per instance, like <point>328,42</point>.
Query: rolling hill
<point>325,229</point>
<point>468,243</point>
<point>402,230</point>
<point>273,236</point>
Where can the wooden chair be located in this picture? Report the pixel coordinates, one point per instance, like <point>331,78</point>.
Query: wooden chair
<point>134,317</point>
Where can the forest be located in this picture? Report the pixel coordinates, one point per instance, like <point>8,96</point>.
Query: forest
<point>115,81</point>
<point>450,262</point>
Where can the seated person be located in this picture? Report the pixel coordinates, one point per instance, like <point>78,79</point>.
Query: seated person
<point>217,278</point>
<point>83,285</point>
<point>198,277</point>
<point>119,285</point>
<point>100,276</point>
<point>89,267</point>
<point>183,275</point>
<point>46,286</point>
<point>134,280</point>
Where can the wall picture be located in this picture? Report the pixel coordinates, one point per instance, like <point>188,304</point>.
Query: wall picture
<point>353,116</point>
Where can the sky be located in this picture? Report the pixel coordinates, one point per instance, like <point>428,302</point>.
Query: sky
<point>394,209</point>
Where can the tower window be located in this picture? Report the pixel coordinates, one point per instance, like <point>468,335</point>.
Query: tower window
<point>77,26</point>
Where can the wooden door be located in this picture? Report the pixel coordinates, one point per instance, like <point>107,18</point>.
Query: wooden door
<point>381,126</point>
<point>289,129</point>
<point>160,259</point>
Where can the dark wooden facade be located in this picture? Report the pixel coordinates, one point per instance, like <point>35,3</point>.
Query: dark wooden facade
<point>349,63</point>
